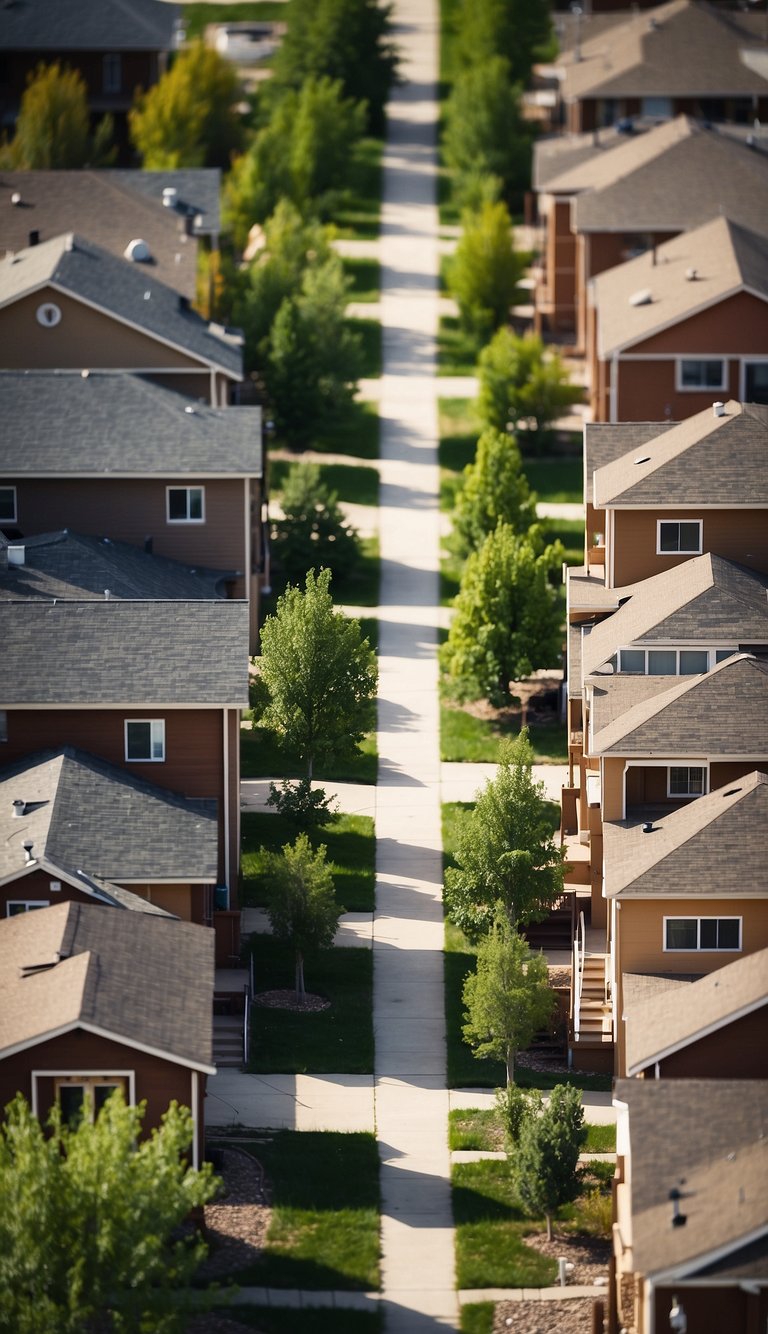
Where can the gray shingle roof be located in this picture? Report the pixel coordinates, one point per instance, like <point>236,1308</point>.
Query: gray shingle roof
<point>145,981</point>
<point>707,601</point>
<point>84,815</point>
<point>712,846</point>
<point>558,155</point>
<point>73,566</point>
<point>725,258</point>
<point>700,459</point>
<point>105,210</point>
<point>198,191</point>
<point>57,424</point>
<point>722,713</point>
<point>673,1019</point>
<point>713,1138</point>
<point>606,441</point>
<point>86,272</point>
<point>112,653</point>
<point>87,25</point>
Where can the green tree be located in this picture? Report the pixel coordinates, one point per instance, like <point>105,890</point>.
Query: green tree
<point>485,134</point>
<point>507,621</point>
<point>485,270</point>
<point>318,674</point>
<point>523,386</point>
<point>89,1234</point>
<point>494,488</point>
<point>189,117</point>
<point>304,153</point>
<point>508,999</point>
<point>506,858</point>
<point>547,1159</point>
<point>53,129</point>
<point>349,40</point>
<point>514,29</point>
<point>313,532</point>
<point>302,907</point>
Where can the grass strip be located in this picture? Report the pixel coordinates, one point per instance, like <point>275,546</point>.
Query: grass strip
<point>482,1130</point>
<point>324,1231</point>
<point>338,1040</point>
<point>359,213</point>
<point>369,333</point>
<point>491,1229</point>
<point>457,350</point>
<point>555,480</point>
<point>353,485</point>
<point>262,756</point>
<point>351,855</point>
<point>364,276</point>
<point>355,433</point>
<point>465,738</point>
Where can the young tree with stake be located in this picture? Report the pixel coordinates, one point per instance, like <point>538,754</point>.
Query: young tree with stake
<point>508,999</point>
<point>302,906</point>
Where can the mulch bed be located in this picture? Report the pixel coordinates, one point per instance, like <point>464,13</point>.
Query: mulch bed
<point>236,1223</point>
<point>286,1000</point>
<point>590,1257</point>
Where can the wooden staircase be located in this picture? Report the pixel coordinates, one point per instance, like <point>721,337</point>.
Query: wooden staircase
<point>592,1048</point>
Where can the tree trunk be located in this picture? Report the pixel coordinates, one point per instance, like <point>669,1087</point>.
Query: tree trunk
<point>549,1227</point>
<point>310,766</point>
<point>300,992</point>
<point>510,1067</point>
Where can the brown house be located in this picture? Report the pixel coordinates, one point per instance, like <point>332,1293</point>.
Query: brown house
<point>118,456</point>
<point>671,328</point>
<point>68,305</point>
<point>93,1000</point>
<point>690,1234</point>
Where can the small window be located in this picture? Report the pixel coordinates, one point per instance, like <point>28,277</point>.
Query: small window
<point>659,108</point>
<point>723,653</point>
<point>112,74</point>
<point>702,933</point>
<point>632,660</point>
<point>678,537</point>
<point>145,740</point>
<point>7,504</point>
<point>186,504</point>
<point>701,374</point>
<point>685,781</point>
<point>15,907</point>
<point>693,661</point>
<point>662,662</point>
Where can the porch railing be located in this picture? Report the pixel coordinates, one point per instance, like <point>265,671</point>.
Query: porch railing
<point>579,954</point>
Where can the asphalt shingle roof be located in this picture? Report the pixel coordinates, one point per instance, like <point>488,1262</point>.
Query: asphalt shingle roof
<point>606,441</point>
<point>146,981</point>
<point>700,459</point>
<point>87,25</point>
<point>86,272</point>
<point>84,815</point>
<point>58,424</point>
<point>112,652</point>
<point>73,566</point>
<point>198,191</point>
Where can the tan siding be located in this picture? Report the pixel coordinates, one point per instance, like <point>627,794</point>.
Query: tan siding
<point>740,535</point>
<point>641,933</point>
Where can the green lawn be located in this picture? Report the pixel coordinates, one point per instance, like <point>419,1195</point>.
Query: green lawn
<point>557,480</point>
<point>491,1229</point>
<point>262,757</point>
<point>365,275</point>
<point>197,17</point>
<point>369,332</point>
<point>338,1040</point>
<point>474,1318</point>
<point>324,1231</point>
<point>314,1319</point>
<point>456,350</point>
<point>464,737</point>
<point>351,855</point>
<point>353,485</point>
<point>483,1129</point>
<point>358,588</point>
<point>459,430</point>
<point>359,213</point>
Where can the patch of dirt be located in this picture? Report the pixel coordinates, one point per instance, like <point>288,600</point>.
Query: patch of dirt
<point>286,1000</point>
<point>535,694</point>
<point>589,1256</point>
<point>572,1316</point>
<point>236,1223</point>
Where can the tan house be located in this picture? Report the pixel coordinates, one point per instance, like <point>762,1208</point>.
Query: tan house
<point>66,304</point>
<point>680,1027</point>
<point>92,1001</point>
<point>117,456</point>
<point>679,324</point>
<point>690,1233</point>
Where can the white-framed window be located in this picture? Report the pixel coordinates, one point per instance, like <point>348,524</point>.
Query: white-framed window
<point>697,373</point>
<point>686,780</point>
<point>145,740</point>
<point>185,504</point>
<point>81,1094</point>
<point>7,504</point>
<point>678,537</point>
<point>112,73</point>
<point>702,933</point>
<point>660,108</point>
<point>670,661</point>
<point>14,907</point>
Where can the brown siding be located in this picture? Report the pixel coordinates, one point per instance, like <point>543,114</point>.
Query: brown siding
<point>646,391</point>
<point>713,1309</point>
<point>735,326</point>
<point>737,534</point>
<point>641,933</point>
<point>736,1051</point>
<point>130,510</point>
<point>191,903</point>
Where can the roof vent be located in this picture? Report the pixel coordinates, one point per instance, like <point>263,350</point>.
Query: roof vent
<point>641,298</point>
<point>84,374</point>
<point>34,237</point>
<point>718,409</point>
<point>106,595</point>
<point>644,458</point>
<point>191,409</point>
<point>15,199</point>
<point>138,251</point>
<point>28,845</point>
<point>16,553</point>
<point>19,807</point>
<point>648,827</point>
<point>691,275</point>
<point>170,196</point>
<point>751,141</point>
<point>732,792</point>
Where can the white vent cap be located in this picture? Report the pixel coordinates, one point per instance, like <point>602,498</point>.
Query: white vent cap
<point>138,251</point>
<point>641,298</point>
<point>170,195</point>
<point>718,410</point>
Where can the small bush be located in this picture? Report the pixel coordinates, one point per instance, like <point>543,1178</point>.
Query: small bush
<point>515,1107</point>
<point>307,807</point>
<point>595,1213</point>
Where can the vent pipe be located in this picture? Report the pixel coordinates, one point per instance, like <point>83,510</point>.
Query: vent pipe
<point>16,553</point>
<point>19,808</point>
<point>718,409</point>
<point>28,845</point>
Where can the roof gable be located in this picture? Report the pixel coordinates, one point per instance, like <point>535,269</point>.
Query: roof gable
<point>87,25</point>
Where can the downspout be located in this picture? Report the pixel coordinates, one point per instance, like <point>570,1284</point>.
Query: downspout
<point>213,388</point>
<point>225,722</point>
<point>610,573</point>
<point>613,392</point>
<point>193,1109</point>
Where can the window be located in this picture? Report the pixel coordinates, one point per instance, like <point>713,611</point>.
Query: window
<point>662,662</point>
<point>693,661</point>
<point>658,107</point>
<point>112,75</point>
<point>702,933</point>
<point>74,1093</point>
<point>632,660</point>
<point>186,504</point>
<point>3,725</point>
<point>670,661</point>
<point>16,906</point>
<point>705,374</point>
<point>7,504</point>
<point>756,382</point>
<point>686,781</point>
<point>723,653</point>
<point>145,739</point>
<point>678,537</point>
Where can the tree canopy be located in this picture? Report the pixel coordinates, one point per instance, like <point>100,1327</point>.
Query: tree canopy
<point>53,129</point>
<point>189,117</point>
<point>313,532</point>
<point>485,270</point>
<point>507,621</point>
<point>349,40</point>
<point>88,1227</point>
<point>302,905</point>
<point>494,488</point>
<point>318,673</point>
<point>508,998</point>
<point>506,857</point>
<point>485,135</point>
<point>523,386</point>
<point>547,1158</point>
<point>514,29</point>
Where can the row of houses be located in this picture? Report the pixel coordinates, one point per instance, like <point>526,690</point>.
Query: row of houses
<point>652,207</point>
<point>132,556</point>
